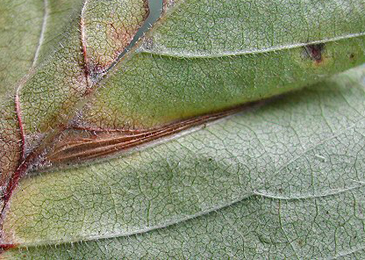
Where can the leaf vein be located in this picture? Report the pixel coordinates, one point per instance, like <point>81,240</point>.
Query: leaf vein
<point>43,30</point>
<point>249,51</point>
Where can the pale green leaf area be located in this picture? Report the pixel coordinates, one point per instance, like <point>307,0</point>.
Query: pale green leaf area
<point>282,178</point>
<point>182,88</point>
<point>29,32</point>
<point>20,26</point>
<point>57,17</point>
<point>208,28</point>
<point>231,52</point>
<point>285,179</point>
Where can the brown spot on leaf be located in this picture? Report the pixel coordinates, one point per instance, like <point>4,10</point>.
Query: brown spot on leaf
<point>79,145</point>
<point>352,56</point>
<point>315,52</point>
<point>106,37</point>
<point>300,242</point>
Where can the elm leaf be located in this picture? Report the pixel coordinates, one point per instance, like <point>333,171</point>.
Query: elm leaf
<point>116,127</point>
<point>282,180</point>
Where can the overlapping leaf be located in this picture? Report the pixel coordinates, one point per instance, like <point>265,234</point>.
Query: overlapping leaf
<point>294,165</point>
<point>285,179</point>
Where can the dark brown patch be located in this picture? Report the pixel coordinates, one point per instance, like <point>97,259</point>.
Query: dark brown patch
<point>315,52</point>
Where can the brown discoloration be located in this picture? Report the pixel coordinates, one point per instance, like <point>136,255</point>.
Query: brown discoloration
<point>86,63</point>
<point>4,247</point>
<point>16,157</point>
<point>315,52</point>
<point>20,123</point>
<point>352,57</point>
<point>85,144</point>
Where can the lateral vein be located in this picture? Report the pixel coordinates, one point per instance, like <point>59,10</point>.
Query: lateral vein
<point>176,54</point>
<point>43,31</point>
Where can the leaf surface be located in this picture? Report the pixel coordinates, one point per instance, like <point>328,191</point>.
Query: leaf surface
<point>87,89</point>
<point>285,179</point>
<point>225,51</point>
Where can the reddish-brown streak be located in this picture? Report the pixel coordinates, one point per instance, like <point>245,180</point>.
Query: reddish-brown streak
<point>19,172</point>
<point>13,182</point>
<point>96,129</point>
<point>5,247</point>
<point>81,149</point>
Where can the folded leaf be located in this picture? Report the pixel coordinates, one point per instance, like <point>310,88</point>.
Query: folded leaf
<point>285,179</point>
<point>206,56</point>
<point>84,87</point>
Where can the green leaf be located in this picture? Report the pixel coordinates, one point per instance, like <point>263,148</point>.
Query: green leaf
<point>285,179</point>
<point>281,178</point>
<point>28,32</point>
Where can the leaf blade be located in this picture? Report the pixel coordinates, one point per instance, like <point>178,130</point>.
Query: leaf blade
<point>51,102</point>
<point>298,189</point>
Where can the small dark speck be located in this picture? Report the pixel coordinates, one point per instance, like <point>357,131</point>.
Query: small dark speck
<point>314,51</point>
<point>148,43</point>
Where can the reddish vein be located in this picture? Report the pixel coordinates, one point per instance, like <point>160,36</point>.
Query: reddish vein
<point>5,247</point>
